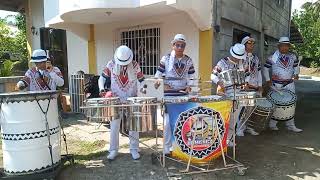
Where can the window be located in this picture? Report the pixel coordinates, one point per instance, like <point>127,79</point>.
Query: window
<point>145,44</point>
<point>238,35</point>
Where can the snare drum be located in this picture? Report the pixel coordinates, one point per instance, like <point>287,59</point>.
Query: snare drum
<point>142,114</point>
<point>261,114</point>
<point>285,104</point>
<point>176,99</point>
<point>245,98</point>
<point>212,98</point>
<point>97,109</point>
<point>25,142</point>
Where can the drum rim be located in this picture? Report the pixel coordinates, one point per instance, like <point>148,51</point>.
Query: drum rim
<point>27,95</point>
<point>102,99</point>
<point>293,101</point>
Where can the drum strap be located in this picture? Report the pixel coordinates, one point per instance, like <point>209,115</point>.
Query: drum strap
<point>47,127</point>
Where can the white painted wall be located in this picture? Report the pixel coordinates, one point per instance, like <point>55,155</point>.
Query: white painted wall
<point>77,53</point>
<point>37,20</point>
<point>51,9</point>
<point>170,25</point>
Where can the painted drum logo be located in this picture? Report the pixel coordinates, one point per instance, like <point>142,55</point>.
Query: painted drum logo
<point>197,128</point>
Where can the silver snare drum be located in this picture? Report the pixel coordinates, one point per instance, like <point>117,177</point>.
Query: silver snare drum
<point>245,98</point>
<point>142,114</point>
<point>212,98</point>
<point>176,99</point>
<point>97,110</point>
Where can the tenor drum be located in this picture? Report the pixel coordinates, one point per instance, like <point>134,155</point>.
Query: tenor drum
<point>285,104</point>
<point>142,114</point>
<point>24,134</point>
<point>261,114</point>
<point>96,108</point>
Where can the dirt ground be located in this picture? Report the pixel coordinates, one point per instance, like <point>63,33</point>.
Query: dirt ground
<point>272,155</point>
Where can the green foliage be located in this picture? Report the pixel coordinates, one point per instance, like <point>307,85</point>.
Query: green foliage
<point>308,22</point>
<point>14,44</point>
<point>7,68</point>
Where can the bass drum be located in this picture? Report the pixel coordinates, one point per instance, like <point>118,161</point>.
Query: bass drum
<point>285,104</point>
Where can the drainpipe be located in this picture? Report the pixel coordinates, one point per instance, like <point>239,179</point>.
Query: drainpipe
<point>261,32</point>
<point>289,23</point>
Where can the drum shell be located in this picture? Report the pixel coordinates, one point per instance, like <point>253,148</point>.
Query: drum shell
<point>97,111</point>
<point>284,113</point>
<point>24,136</point>
<point>259,119</point>
<point>142,115</point>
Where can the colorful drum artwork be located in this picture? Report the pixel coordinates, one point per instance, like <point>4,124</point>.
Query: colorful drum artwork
<point>195,129</point>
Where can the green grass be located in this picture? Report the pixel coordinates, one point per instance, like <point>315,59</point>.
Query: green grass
<point>84,151</point>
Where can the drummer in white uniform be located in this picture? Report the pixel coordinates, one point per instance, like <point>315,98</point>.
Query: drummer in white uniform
<point>175,65</point>
<point>43,76</point>
<point>253,79</point>
<point>124,73</point>
<point>284,70</point>
<point>234,61</point>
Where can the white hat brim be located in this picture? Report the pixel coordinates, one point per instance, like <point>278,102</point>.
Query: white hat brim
<point>237,56</point>
<point>124,62</point>
<point>38,60</point>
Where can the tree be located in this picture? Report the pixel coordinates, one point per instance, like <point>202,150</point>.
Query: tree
<point>13,44</point>
<point>308,22</point>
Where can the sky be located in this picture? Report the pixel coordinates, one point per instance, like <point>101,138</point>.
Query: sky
<point>296,4</point>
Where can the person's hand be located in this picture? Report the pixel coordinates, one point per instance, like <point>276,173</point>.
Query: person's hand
<point>269,83</point>
<point>20,86</point>
<point>102,93</point>
<point>246,86</point>
<point>295,77</point>
<point>46,79</point>
<point>167,87</point>
<point>260,90</point>
<point>220,89</point>
<point>188,89</point>
<point>108,94</point>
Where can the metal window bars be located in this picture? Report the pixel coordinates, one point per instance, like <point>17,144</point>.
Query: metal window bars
<point>145,44</point>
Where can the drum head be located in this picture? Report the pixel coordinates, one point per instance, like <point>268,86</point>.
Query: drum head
<point>282,97</point>
<point>27,96</point>
<point>264,104</point>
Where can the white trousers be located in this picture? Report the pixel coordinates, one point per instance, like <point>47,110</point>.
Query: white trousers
<point>114,136</point>
<point>234,118</point>
<point>167,134</point>
<point>291,88</point>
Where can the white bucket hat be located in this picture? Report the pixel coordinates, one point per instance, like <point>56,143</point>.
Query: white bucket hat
<point>179,38</point>
<point>38,55</point>
<point>238,51</point>
<point>123,55</point>
<point>246,39</point>
<point>284,40</point>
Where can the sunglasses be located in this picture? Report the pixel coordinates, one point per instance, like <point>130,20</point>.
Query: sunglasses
<point>250,42</point>
<point>182,46</point>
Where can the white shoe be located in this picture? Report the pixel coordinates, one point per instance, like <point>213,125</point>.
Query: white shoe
<point>240,133</point>
<point>166,150</point>
<point>294,129</point>
<point>135,154</point>
<point>275,128</point>
<point>112,155</point>
<point>252,132</point>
